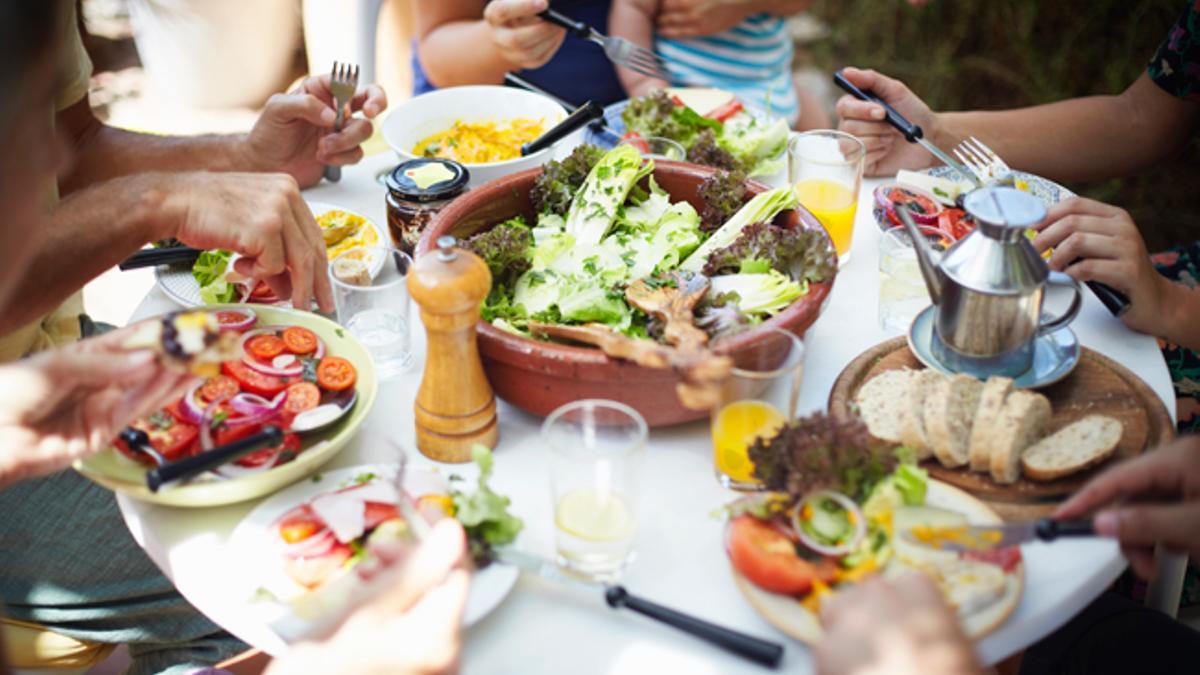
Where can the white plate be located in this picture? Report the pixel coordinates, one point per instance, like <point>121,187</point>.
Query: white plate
<point>181,287</point>
<point>261,565</point>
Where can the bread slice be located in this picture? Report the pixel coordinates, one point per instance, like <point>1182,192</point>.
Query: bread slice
<point>991,402</point>
<point>880,403</point>
<point>949,414</point>
<point>1021,424</point>
<point>912,416</point>
<point>1077,446</point>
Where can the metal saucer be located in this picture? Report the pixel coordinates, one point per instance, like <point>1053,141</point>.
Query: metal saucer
<point>1055,354</point>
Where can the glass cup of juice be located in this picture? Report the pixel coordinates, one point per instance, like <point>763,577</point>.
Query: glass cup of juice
<point>595,448</point>
<point>759,397</point>
<point>826,168</point>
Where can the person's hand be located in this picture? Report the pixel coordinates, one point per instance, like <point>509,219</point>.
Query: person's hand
<point>695,18</point>
<point>294,134</point>
<point>412,629</point>
<point>63,405</point>
<point>899,627</point>
<point>263,218</point>
<point>1093,241</point>
<point>523,40</point>
<point>887,151</point>
<point>1153,499</point>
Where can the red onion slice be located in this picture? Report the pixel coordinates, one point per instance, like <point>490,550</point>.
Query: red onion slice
<point>192,411</point>
<point>317,544</point>
<point>249,318</point>
<point>854,513</point>
<point>234,470</point>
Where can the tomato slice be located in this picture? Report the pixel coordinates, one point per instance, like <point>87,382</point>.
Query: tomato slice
<point>265,347</point>
<point>302,396</point>
<point>678,102</point>
<point>301,526</point>
<point>219,388</point>
<point>766,557</point>
<point>1007,558</point>
<point>635,139</point>
<point>226,318</point>
<point>315,571</point>
<point>299,340</point>
<point>336,374</point>
<point>172,438</point>
<point>378,512</point>
<point>724,112</point>
<point>262,293</point>
<point>252,381</point>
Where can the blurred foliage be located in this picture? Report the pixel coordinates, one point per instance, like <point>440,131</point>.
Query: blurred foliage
<point>989,54</point>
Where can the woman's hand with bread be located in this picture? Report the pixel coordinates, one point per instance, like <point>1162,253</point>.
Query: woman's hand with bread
<point>1154,499</point>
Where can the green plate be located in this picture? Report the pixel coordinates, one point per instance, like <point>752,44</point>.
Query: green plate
<point>116,472</point>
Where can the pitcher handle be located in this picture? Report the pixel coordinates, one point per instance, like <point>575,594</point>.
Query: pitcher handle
<point>1062,279</point>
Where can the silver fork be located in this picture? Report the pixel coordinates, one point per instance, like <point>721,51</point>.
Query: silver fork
<point>984,163</point>
<point>618,50</point>
<point>343,82</point>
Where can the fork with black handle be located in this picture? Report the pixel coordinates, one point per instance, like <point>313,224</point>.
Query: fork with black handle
<point>618,50</point>
<point>343,82</point>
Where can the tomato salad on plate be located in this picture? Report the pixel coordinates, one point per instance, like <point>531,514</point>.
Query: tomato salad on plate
<point>283,376</point>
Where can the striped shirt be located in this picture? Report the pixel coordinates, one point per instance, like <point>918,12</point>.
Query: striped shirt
<point>753,60</point>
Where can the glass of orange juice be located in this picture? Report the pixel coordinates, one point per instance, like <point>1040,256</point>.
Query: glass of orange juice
<point>826,167</point>
<point>758,398</point>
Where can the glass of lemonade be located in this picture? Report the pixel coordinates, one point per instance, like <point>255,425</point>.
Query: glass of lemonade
<point>902,291</point>
<point>595,448</point>
<point>826,168</point>
<point>371,294</point>
<point>760,396</point>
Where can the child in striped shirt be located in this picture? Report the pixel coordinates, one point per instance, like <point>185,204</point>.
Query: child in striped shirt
<point>752,60</point>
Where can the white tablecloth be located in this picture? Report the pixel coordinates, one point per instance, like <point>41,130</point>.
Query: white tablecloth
<point>541,628</point>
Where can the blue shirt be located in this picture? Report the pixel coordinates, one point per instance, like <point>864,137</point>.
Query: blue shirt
<point>577,73</point>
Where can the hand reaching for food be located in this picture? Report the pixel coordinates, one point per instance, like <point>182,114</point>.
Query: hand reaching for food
<point>411,629</point>
<point>66,404</point>
<point>521,38</point>
<point>295,135</point>
<point>898,627</point>
<point>1154,499</point>
<point>887,151</point>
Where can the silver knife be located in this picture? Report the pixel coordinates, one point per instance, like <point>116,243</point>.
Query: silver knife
<point>747,646</point>
<point>988,537</point>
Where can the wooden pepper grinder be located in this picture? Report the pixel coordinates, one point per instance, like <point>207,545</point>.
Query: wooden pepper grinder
<point>455,405</point>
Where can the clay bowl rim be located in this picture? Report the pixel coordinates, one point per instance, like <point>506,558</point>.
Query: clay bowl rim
<point>810,302</point>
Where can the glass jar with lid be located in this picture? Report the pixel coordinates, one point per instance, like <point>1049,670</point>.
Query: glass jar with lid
<point>416,191</point>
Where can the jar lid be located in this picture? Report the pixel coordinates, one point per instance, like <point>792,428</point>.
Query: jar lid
<point>1005,206</point>
<point>428,180</point>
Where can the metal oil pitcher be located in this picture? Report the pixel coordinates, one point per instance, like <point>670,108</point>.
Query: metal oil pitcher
<point>988,288</point>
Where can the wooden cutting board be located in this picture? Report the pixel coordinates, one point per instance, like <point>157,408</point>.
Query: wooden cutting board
<point>1098,385</point>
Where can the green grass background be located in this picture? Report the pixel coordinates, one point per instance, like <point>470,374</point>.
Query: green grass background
<point>995,54</point>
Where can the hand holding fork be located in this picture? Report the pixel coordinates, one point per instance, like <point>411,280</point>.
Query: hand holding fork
<point>343,82</point>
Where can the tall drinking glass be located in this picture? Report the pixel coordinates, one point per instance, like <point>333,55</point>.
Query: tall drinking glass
<point>826,168</point>
<point>759,397</point>
<point>902,291</point>
<point>371,295</point>
<point>595,448</point>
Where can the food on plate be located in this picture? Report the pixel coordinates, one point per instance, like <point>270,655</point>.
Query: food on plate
<point>1076,447</point>
<point>944,190</point>
<point>481,142</point>
<point>889,197</point>
<point>726,136</point>
<point>221,284</point>
<point>326,537</point>
<point>274,375</point>
<point>987,427</point>
<point>190,342</point>
<point>603,223</point>
<point>838,504</point>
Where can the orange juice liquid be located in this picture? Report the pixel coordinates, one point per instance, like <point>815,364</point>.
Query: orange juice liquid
<point>834,204</point>
<point>734,429</point>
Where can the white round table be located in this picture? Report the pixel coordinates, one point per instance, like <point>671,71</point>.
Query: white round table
<point>542,628</point>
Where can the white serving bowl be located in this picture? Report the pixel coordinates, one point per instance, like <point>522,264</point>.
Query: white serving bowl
<point>433,112</point>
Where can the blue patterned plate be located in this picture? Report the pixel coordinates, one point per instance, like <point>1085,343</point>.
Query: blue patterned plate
<point>1044,189</point>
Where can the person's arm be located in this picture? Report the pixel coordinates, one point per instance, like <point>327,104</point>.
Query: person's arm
<point>1088,138</point>
<point>693,18</point>
<point>293,135</point>
<point>503,35</point>
<point>634,21</point>
<point>261,216</point>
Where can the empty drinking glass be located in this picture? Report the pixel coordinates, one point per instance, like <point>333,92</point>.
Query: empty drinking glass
<point>372,303</point>
<point>902,292</point>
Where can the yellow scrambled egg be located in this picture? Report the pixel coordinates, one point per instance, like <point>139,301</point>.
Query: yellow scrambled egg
<point>344,231</point>
<point>479,142</point>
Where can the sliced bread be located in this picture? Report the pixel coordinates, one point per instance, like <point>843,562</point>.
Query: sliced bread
<point>1077,446</point>
<point>912,416</point>
<point>950,408</point>
<point>1022,423</point>
<point>880,403</point>
<point>991,402</point>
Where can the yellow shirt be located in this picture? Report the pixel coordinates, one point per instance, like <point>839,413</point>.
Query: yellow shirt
<point>62,325</point>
